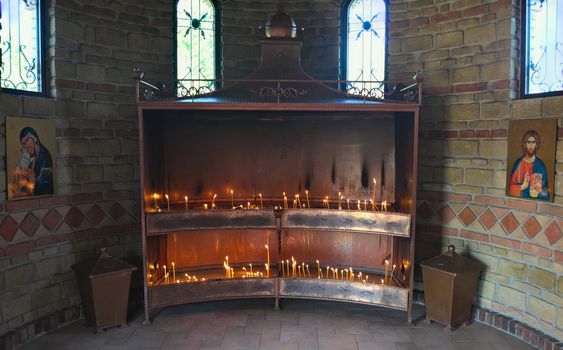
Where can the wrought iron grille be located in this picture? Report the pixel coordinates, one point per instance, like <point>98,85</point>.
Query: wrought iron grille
<point>195,46</point>
<point>544,46</point>
<point>366,44</point>
<point>20,38</point>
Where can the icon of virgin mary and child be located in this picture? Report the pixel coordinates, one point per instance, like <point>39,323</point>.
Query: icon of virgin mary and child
<point>529,176</point>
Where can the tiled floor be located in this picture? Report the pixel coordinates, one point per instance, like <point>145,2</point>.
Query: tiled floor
<point>300,325</point>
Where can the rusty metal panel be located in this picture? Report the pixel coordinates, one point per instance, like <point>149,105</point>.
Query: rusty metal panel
<point>236,288</point>
<point>159,223</point>
<point>395,224</point>
<point>353,292</point>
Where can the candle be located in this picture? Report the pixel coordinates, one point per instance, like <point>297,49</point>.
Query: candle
<point>386,268</point>
<point>308,272</point>
<point>173,271</point>
<point>205,206</point>
<point>359,205</point>
<point>165,274</point>
<point>294,203</point>
<point>348,203</point>
<point>307,194</point>
<point>360,276</point>
<point>167,202</point>
<point>282,269</point>
<point>324,203</point>
<point>373,195</point>
<point>232,199</point>
<point>213,201</point>
<point>392,272</point>
<point>365,205</point>
<point>244,271</point>
<point>384,205</point>
<point>298,200</point>
<point>341,274</point>
<point>382,281</point>
<point>287,267</point>
<point>250,269</point>
<point>336,273</point>
<point>303,268</point>
<point>372,205</point>
<point>327,203</point>
<point>284,201</point>
<point>327,271</point>
<point>268,264</point>
<point>339,200</point>
<point>155,196</point>
<point>299,269</point>
<point>351,273</point>
<point>186,200</point>
<point>318,269</point>
<point>232,272</point>
<point>261,203</point>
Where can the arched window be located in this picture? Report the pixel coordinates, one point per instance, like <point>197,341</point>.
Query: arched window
<point>542,40</point>
<point>21,46</point>
<point>197,46</point>
<point>364,38</point>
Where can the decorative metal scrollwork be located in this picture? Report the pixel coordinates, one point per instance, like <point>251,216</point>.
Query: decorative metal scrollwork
<point>278,92</point>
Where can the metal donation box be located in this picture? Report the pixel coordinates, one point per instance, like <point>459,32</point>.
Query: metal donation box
<point>449,285</point>
<point>104,288</point>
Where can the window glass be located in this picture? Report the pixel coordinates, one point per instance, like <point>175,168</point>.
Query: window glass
<point>543,43</point>
<point>196,54</point>
<point>20,38</point>
<point>365,42</point>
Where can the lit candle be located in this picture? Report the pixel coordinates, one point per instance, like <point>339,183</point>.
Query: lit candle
<point>372,205</point>
<point>339,200</point>
<point>359,205</point>
<point>284,200</point>
<point>360,276</point>
<point>165,274</point>
<point>205,206</point>
<point>167,202</point>
<point>294,203</point>
<point>365,205</point>
<point>392,272</point>
<point>298,201</point>
<point>341,274</point>
<point>244,271</point>
<point>250,269</point>
<point>351,273</point>
<point>318,269</point>
<point>282,269</point>
<point>299,269</point>
<point>155,196</point>
<point>261,203</point>
<point>382,281</point>
<point>336,272</point>
<point>327,272</point>
<point>384,205</point>
<point>232,199</point>
<point>373,195</point>
<point>386,268</point>
<point>308,272</point>
<point>268,264</point>
<point>173,271</point>
<point>307,194</point>
<point>348,203</point>
<point>327,203</point>
<point>324,203</point>
<point>213,201</point>
<point>232,272</point>
<point>186,200</point>
<point>293,266</point>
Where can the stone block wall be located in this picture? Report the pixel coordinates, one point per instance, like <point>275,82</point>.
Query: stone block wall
<point>469,53</point>
<point>92,48</point>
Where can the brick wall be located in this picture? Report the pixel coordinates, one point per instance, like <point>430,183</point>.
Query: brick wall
<point>92,49</point>
<point>468,51</point>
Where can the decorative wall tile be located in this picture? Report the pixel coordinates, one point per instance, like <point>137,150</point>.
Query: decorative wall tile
<point>52,219</point>
<point>74,217</point>
<point>532,227</point>
<point>29,224</point>
<point>95,215</point>
<point>8,228</point>
<point>467,216</point>
<point>553,233</point>
<point>509,223</point>
<point>488,219</point>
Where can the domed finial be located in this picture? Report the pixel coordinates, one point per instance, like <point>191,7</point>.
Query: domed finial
<point>281,25</point>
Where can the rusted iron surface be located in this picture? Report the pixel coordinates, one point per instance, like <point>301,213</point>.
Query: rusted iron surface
<point>395,224</point>
<point>209,220</point>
